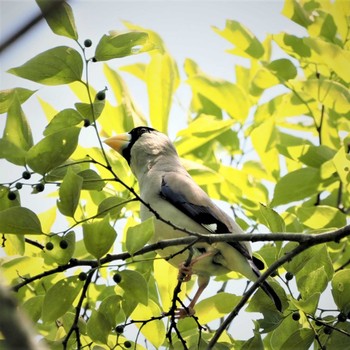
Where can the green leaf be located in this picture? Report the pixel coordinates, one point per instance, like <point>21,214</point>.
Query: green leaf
<point>12,153</point>
<point>59,255</point>
<point>120,45</point>
<point>53,150</point>
<point>310,155</point>
<point>17,130</point>
<point>301,339</point>
<point>162,80</point>
<point>91,180</point>
<point>295,10</point>
<point>330,93</point>
<point>6,97</point>
<point>246,43</point>
<point>283,69</point>
<point>271,219</point>
<point>216,307</point>
<point>64,119</point>
<point>321,217</point>
<point>69,193</point>
<point>99,237</point>
<point>111,205</point>
<point>228,96</point>
<point>137,236</point>
<point>19,220</point>
<point>60,65</point>
<point>297,185</point>
<point>340,290</point>
<point>90,112</point>
<point>307,305</point>
<point>307,263</point>
<point>134,286</point>
<point>313,282</point>
<point>60,297</point>
<point>33,306</point>
<point>110,308</point>
<point>98,327</point>
<point>60,19</point>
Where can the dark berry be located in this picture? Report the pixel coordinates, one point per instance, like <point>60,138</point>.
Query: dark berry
<point>289,276</point>
<point>86,123</point>
<point>341,317</point>
<point>101,95</point>
<point>11,196</point>
<point>49,246</point>
<point>127,344</point>
<point>296,315</point>
<point>117,278</point>
<point>40,187</point>
<point>327,330</point>
<point>26,175</point>
<point>64,244</point>
<point>82,276</point>
<point>18,185</point>
<point>119,329</point>
<point>87,43</point>
<point>317,322</point>
<point>94,59</point>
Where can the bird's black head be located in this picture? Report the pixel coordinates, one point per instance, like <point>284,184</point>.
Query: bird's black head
<point>135,134</point>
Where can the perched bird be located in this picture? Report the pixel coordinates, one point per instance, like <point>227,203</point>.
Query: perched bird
<point>171,192</point>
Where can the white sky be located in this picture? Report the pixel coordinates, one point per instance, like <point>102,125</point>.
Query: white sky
<point>185,26</point>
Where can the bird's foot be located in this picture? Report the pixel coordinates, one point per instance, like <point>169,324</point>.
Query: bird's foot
<point>185,273</point>
<point>184,312</point>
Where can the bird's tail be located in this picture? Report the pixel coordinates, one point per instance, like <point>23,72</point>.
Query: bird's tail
<point>265,286</point>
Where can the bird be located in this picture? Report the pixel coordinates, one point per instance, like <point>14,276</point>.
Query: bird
<point>167,188</point>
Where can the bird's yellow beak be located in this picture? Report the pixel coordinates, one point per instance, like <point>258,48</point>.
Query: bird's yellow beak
<point>118,142</point>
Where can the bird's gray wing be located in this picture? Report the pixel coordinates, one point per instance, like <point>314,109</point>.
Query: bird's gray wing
<point>185,195</point>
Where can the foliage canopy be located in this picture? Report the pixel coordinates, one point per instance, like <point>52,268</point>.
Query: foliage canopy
<point>91,282</point>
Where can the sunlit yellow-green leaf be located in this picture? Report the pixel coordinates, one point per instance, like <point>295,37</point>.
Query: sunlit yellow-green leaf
<point>328,92</point>
<point>135,285</point>
<point>321,217</point>
<point>153,331</point>
<point>340,288</point>
<point>216,306</point>
<point>202,130</point>
<point>332,55</point>
<point>266,146</point>
<point>341,161</point>
<point>226,95</point>
<point>162,80</point>
<point>246,43</point>
<point>298,13</point>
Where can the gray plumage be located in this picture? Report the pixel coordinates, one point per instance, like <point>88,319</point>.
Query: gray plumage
<point>168,188</point>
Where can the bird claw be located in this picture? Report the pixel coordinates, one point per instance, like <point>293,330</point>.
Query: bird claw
<point>185,273</point>
<point>185,312</point>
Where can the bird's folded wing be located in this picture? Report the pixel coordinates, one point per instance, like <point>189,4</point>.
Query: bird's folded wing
<point>184,194</point>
